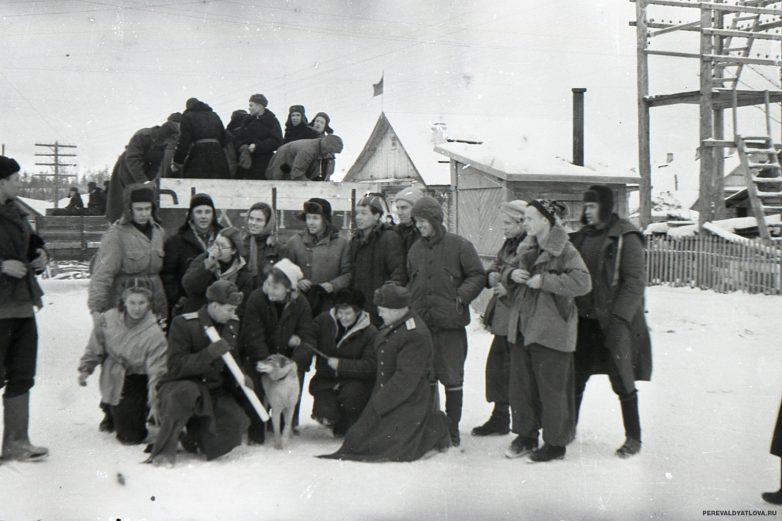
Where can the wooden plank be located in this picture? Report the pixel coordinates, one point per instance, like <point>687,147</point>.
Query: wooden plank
<point>241,194</point>
<point>744,34</point>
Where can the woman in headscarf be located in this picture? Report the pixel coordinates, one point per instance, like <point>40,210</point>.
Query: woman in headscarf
<point>259,241</point>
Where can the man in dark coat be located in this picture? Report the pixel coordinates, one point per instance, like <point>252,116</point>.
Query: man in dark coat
<point>200,152</point>
<point>344,377</point>
<point>496,319</point>
<point>22,256</point>
<point>302,160</point>
<point>257,139</point>
<point>277,319</point>
<point>296,126</point>
<point>193,238</point>
<point>406,229</point>
<point>400,422</point>
<point>775,498</point>
<point>75,204</point>
<point>612,334</point>
<point>446,275</point>
<point>141,162</point>
<point>376,253</point>
<point>97,202</point>
<point>198,391</point>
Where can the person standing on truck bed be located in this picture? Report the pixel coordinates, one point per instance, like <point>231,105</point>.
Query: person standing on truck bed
<point>140,162</point>
<point>257,139</point>
<point>97,202</point>
<point>296,126</point>
<point>200,152</point>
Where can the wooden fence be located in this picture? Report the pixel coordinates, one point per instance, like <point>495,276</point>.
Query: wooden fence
<point>710,262</point>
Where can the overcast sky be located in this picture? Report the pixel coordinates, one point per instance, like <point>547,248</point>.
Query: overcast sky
<point>91,73</point>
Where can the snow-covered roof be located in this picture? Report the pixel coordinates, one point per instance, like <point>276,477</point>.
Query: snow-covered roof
<point>526,160</point>
<point>40,206</point>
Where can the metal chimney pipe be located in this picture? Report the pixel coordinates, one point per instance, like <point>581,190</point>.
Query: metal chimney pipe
<point>578,126</point>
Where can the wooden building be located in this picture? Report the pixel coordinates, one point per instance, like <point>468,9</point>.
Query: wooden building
<point>483,178</point>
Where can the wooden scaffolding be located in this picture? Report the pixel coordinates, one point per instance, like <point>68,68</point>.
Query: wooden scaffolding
<point>727,32</point>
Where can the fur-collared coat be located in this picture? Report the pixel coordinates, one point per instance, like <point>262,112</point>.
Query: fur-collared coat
<point>125,253</point>
<point>547,316</point>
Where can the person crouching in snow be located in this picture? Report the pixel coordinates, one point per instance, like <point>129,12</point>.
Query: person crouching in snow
<point>544,278</point>
<point>224,260</point>
<point>400,422</point>
<point>343,382</point>
<point>130,347</point>
<point>198,390</point>
<point>277,319</point>
<point>303,160</point>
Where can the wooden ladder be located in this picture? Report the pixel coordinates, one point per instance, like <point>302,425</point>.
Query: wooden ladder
<point>763,174</point>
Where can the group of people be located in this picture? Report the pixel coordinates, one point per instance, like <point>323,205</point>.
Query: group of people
<point>96,204</point>
<point>384,314</point>
<point>196,144</point>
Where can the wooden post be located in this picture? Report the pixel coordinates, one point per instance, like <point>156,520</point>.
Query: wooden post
<point>708,202</point>
<point>644,152</point>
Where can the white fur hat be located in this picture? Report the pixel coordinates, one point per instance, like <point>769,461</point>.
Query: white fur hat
<point>290,270</point>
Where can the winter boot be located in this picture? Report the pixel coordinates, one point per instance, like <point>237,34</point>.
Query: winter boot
<point>16,419</point>
<point>775,498</point>
<point>498,423</point>
<point>579,398</point>
<point>632,423</point>
<point>547,453</point>
<point>521,446</point>
<point>107,423</point>
<point>454,396</point>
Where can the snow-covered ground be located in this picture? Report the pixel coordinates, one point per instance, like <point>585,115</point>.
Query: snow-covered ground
<point>707,415</point>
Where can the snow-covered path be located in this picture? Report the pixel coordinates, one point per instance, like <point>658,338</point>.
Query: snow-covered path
<point>707,415</point>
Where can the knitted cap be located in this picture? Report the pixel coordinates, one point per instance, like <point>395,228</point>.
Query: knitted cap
<point>291,271</point>
<point>333,144</point>
<point>514,209</point>
<point>428,208</point>
<point>8,167</point>
<point>410,194</point>
<point>175,117</point>
<point>224,292</point>
<point>260,99</point>
<point>373,201</point>
<point>393,296</point>
<point>201,200</point>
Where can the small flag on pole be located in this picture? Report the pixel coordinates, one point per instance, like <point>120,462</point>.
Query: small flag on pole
<point>377,88</point>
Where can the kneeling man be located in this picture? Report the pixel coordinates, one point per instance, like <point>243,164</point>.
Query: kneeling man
<point>198,392</point>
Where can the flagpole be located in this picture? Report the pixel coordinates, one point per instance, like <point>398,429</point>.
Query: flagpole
<point>383,92</point>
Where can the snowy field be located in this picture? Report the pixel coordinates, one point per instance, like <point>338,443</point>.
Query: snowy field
<point>707,416</point>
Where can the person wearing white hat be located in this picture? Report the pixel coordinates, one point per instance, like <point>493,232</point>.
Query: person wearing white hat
<point>277,319</point>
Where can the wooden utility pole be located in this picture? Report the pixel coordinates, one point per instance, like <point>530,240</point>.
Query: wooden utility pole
<point>707,208</point>
<point>56,165</point>
<point>644,139</point>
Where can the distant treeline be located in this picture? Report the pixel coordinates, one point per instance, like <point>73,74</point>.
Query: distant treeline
<point>42,187</point>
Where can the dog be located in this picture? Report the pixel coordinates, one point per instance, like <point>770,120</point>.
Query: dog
<point>280,380</point>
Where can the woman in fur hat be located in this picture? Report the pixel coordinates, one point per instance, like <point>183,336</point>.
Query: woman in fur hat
<point>344,377</point>
<point>129,345</point>
<point>296,127</point>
